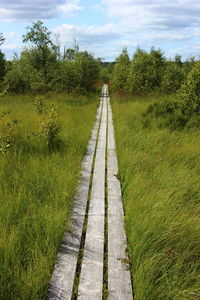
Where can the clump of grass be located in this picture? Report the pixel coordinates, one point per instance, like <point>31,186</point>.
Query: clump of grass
<point>159,172</point>
<point>36,193</point>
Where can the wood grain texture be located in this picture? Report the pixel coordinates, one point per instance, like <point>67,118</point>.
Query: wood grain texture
<point>91,279</point>
<point>119,280</point>
<point>62,280</point>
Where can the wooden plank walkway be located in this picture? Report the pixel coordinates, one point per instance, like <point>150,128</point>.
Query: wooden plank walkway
<point>119,280</point>
<point>100,161</point>
<point>62,281</point>
<point>91,281</point>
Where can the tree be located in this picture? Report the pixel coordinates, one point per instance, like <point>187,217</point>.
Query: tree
<point>87,70</point>
<point>190,91</point>
<point>2,59</point>
<point>146,71</point>
<point>173,75</point>
<point>40,36</point>
<point>120,73</point>
<point>2,65</point>
<point>22,76</point>
<point>69,54</point>
<point>2,39</point>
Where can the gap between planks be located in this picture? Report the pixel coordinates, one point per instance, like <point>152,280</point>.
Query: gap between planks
<point>119,279</point>
<point>91,279</point>
<point>61,284</point>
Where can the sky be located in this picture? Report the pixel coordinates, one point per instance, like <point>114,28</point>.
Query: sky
<point>104,27</point>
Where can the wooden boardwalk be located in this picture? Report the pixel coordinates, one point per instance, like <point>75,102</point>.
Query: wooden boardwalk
<point>98,210</point>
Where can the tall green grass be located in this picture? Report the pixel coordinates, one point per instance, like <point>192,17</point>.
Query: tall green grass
<point>36,191</point>
<point>160,175</point>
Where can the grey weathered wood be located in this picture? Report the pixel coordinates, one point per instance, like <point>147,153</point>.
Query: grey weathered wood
<point>62,280</point>
<point>119,280</point>
<point>91,279</point>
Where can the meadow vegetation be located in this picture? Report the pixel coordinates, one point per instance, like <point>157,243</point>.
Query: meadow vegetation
<point>157,120</point>
<point>159,169</point>
<point>48,101</point>
<point>40,158</point>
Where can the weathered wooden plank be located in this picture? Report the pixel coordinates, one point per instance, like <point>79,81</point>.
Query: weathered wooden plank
<point>119,280</point>
<point>62,280</point>
<point>91,279</point>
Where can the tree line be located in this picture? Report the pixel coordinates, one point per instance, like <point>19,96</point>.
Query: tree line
<point>151,71</point>
<point>41,67</point>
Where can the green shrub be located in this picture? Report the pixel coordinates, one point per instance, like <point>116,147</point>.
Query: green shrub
<point>171,114</point>
<point>190,90</point>
<point>120,72</point>
<point>40,104</point>
<point>161,109</point>
<point>9,132</point>
<point>173,78</point>
<point>50,128</point>
<point>146,71</point>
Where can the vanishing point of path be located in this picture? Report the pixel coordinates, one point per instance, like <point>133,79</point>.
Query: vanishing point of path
<point>92,260</point>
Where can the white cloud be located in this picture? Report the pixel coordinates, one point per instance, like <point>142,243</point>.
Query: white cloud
<point>86,35</point>
<point>27,10</point>
<point>92,38</point>
<point>13,42</point>
<point>166,24</point>
<point>156,22</point>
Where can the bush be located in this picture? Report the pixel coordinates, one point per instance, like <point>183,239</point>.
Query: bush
<point>9,132</point>
<point>162,109</point>
<point>146,71</point>
<point>173,78</point>
<point>190,90</point>
<point>171,114</point>
<point>120,72</point>
<point>190,93</point>
<point>40,105</point>
<point>50,128</point>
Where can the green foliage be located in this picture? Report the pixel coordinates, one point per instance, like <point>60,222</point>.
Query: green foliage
<point>69,54</point>
<point>9,132</point>
<point>50,128</point>
<point>120,72</point>
<point>106,71</point>
<point>67,79</point>
<point>23,77</point>
<point>160,109</point>
<point>146,71</point>
<point>40,68</point>
<point>175,115</point>
<point>190,91</point>
<point>86,69</point>
<point>181,114</point>
<point>40,36</point>
<point>40,104</point>
<point>173,76</point>
<point>159,172</point>
<point>2,66</point>
<point>78,74</point>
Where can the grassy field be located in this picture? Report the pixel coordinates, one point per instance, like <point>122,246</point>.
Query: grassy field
<point>160,174</point>
<point>37,185</point>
